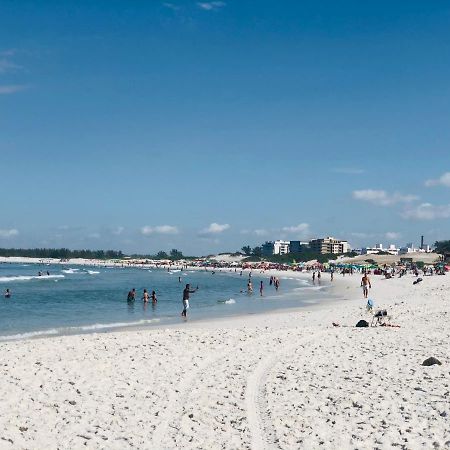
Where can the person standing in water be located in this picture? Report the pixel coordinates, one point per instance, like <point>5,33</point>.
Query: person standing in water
<point>154,299</point>
<point>186,292</point>
<point>249,287</point>
<point>131,295</point>
<point>145,296</point>
<point>7,293</point>
<point>261,288</point>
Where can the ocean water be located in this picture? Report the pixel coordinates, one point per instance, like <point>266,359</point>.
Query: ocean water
<point>91,299</point>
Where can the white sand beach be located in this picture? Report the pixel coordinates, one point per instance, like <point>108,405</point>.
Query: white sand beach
<point>288,380</point>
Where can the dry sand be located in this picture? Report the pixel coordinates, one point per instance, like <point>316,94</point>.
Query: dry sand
<point>286,380</point>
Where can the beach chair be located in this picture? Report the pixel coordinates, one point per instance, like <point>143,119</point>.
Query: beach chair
<point>380,318</point>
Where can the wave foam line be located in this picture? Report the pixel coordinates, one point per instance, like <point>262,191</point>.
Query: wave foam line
<point>74,330</point>
<point>29,277</point>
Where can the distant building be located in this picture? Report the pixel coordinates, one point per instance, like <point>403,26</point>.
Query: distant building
<point>279,247</point>
<point>297,246</point>
<point>329,245</point>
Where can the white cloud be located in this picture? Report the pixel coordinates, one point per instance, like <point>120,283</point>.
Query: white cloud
<point>443,180</point>
<point>213,229</point>
<point>261,232</point>
<point>348,170</point>
<point>118,231</point>
<point>8,233</point>
<point>94,236</point>
<point>301,228</point>
<point>11,88</point>
<point>160,229</point>
<point>382,198</point>
<point>427,211</point>
<point>211,6</point>
<point>392,235</point>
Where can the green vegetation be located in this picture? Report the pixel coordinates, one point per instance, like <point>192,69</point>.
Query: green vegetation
<point>60,253</point>
<point>292,257</point>
<point>442,247</point>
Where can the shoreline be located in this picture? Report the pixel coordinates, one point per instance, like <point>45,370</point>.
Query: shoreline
<point>328,295</point>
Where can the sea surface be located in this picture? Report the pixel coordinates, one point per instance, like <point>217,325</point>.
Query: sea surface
<point>92,299</point>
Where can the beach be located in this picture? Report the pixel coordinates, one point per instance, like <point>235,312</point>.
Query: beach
<point>287,379</point>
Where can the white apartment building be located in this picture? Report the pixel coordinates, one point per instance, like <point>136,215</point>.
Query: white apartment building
<point>278,247</point>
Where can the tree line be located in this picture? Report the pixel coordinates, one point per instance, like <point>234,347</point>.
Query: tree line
<point>60,253</point>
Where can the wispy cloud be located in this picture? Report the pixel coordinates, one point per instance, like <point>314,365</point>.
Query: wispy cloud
<point>118,231</point>
<point>7,66</point>
<point>443,180</point>
<point>8,233</point>
<point>382,198</point>
<point>171,6</point>
<point>348,170</point>
<point>300,229</point>
<point>7,89</point>
<point>427,211</point>
<point>160,229</point>
<point>392,235</point>
<point>211,6</point>
<point>214,229</point>
<point>261,232</point>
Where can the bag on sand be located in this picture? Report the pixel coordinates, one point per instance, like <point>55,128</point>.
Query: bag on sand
<point>362,323</point>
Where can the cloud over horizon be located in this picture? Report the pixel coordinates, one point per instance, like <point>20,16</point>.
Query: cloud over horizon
<point>160,229</point>
<point>382,198</point>
<point>214,229</point>
<point>443,180</point>
<point>427,211</point>
<point>8,233</point>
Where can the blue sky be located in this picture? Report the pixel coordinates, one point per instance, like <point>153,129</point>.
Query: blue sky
<point>148,125</point>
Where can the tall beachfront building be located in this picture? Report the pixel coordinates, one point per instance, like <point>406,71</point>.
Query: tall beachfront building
<point>329,245</point>
<point>276,248</point>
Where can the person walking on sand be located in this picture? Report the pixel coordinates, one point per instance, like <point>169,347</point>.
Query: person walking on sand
<point>365,284</point>
<point>186,292</point>
<point>332,275</point>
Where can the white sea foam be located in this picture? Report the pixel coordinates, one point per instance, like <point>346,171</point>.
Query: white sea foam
<point>31,334</point>
<point>93,272</point>
<point>103,326</point>
<point>29,277</point>
<point>74,330</point>
<point>70,270</point>
<point>230,301</point>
